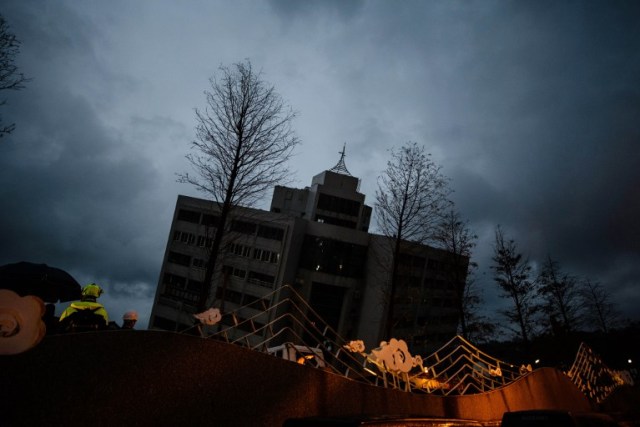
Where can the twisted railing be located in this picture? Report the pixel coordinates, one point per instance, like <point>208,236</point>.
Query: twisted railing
<point>458,367</point>
<point>591,375</point>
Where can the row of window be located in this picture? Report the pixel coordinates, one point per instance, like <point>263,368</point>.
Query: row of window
<point>239,226</point>
<point>255,277</point>
<point>195,217</point>
<point>259,254</point>
<point>325,219</point>
<point>333,256</point>
<point>251,229</point>
<point>181,288</point>
<point>192,239</point>
<point>338,204</point>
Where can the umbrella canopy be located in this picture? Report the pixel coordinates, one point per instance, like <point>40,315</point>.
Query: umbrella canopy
<point>49,283</point>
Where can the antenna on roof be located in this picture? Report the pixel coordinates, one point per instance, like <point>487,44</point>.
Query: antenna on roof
<point>341,167</point>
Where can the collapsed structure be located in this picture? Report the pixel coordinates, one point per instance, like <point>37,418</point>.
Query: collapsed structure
<point>317,240</point>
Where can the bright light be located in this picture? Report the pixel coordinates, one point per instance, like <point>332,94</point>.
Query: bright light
<point>629,361</point>
<point>537,361</point>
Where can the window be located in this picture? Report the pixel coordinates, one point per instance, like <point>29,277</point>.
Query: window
<point>335,221</point>
<point>261,279</point>
<point>265,255</point>
<point>272,233</point>
<point>241,250</point>
<point>189,216</point>
<point>209,220</point>
<point>178,258</point>
<point>233,271</point>
<point>175,289</point>
<point>243,227</point>
<point>333,256</point>
<point>229,295</point>
<point>194,285</point>
<point>199,263</point>
<point>174,280</point>
<point>188,238</point>
<point>255,302</point>
<point>184,237</point>
<point>338,205</point>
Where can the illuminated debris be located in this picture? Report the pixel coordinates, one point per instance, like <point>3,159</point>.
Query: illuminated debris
<point>355,346</point>
<point>394,355</point>
<point>301,354</point>
<point>21,325</point>
<point>209,317</point>
<point>525,369</point>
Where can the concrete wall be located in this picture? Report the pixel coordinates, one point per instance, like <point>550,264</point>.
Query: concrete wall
<point>160,378</point>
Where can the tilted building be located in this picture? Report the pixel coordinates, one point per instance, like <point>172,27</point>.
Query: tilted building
<point>315,239</point>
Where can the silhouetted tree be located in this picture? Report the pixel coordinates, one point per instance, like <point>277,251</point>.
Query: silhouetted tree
<point>598,308</point>
<point>561,294</point>
<point>478,328</point>
<point>512,274</point>
<point>10,78</point>
<point>410,200</point>
<point>454,236</point>
<point>243,142</point>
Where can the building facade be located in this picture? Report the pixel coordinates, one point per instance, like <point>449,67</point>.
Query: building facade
<point>315,239</point>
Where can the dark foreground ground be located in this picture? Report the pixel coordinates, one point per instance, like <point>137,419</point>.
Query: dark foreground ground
<point>160,378</point>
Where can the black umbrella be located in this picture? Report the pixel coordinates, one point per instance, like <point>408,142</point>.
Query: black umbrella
<point>49,283</point>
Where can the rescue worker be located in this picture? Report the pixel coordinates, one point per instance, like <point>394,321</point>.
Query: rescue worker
<point>86,314</point>
<point>129,319</point>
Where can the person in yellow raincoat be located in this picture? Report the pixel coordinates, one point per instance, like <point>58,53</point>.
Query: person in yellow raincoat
<point>86,314</point>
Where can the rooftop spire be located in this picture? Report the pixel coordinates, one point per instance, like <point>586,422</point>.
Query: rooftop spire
<point>341,167</point>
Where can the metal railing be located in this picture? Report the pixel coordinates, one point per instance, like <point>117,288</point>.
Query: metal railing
<point>457,368</point>
<point>593,377</point>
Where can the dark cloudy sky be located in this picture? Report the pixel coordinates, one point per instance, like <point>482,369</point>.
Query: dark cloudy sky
<point>531,107</point>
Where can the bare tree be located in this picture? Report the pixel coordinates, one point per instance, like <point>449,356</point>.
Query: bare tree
<point>410,200</point>
<point>599,310</point>
<point>475,327</point>
<point>561,293</point>
<point>512,273</point>
<point>243,142</point>
<point>10,78</point>
<point>454,236</point>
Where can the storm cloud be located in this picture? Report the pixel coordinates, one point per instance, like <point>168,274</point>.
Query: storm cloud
<point>531,108</point>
